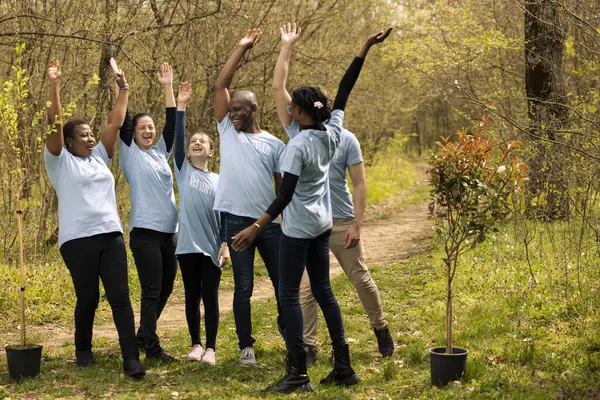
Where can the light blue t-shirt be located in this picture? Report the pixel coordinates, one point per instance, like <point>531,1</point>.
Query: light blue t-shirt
<point>151,187</point>
<point>248,163</point>
<point>308,155</point>
<point>85,188</point>
<point>348,153</point>
<point>199,224</point>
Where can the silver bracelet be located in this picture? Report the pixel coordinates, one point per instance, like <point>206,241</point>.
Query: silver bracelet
<point>126,87</point>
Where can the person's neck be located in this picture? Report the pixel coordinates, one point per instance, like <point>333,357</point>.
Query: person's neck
<point>253,128</point>
<point>200,164</point>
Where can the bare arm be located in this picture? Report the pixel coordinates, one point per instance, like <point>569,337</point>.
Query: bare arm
<point>117,115</point>
<point>226,75</point>
<point>54,141</point>
<point>359,198</point>
<point>289,36</point>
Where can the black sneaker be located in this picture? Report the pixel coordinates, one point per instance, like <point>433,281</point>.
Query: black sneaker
<point>385,342</point>
<point>311,355</point>
<point>133,368</point>
<point>162,357</point>
<point>84,358</point>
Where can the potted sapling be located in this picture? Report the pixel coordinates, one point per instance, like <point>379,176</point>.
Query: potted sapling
<point>475,181</point>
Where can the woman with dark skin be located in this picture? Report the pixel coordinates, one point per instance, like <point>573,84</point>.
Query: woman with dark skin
<point>90,236</point>
<point>307,222</point>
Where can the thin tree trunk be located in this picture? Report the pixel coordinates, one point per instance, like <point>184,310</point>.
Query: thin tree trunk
<point>448,308</point>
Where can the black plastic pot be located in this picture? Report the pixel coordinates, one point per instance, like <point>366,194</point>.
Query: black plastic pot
<point>23,361</point>
<point>446,368</point>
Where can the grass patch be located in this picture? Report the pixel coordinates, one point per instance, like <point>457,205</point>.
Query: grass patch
<point>526,341</point>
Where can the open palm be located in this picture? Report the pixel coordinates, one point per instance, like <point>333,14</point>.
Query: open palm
<point>289,33</point>
<point>252,37</point>
<point>185,92</point>
<point>165,77</point>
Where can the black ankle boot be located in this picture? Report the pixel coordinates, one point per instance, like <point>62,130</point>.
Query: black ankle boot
<point>295,377</point>
<point>133,368</point>
<point>342,374</point>
<point>84,358</point>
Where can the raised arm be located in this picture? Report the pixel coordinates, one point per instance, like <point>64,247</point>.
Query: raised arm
<point>55,140</point>
<point>185,92</point>
<point>289,36</point>
<point>117,115</point>
<point>226,76</point>
<point>351,75</point>
<point>165,77</point>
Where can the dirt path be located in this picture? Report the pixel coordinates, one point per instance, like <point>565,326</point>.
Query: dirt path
<point>390,233</point>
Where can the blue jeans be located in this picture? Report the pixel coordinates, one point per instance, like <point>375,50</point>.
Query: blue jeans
<point>294,255</point>
<point>267,243</point>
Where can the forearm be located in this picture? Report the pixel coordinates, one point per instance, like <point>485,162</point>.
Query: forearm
<point>126,130</point>
<point>180,137</point>
<point>54,112</point>
<point>359,198</point>
<point>364,50</point>
<point>169,95</point>
<point>168,132</point>
<point>226,75</point>
<point>117,114</point>
<point>282,68</point>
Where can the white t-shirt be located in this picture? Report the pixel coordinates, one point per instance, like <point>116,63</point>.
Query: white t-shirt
<point>199,224</point>
<point>151,186</point>
<point>85,188</point>
<point>308,155</point>
<point>248,163</point>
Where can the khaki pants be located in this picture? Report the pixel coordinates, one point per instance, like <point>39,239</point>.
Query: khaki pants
<point>354,266</point>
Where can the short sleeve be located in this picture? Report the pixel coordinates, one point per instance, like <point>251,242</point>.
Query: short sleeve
<point>353,153</point>
<point>279,151</point>
<point>125,152</point>
<point>99,152</point>
<point>335,125</point>
<point>225,125</point>
<point>292,130</point>
<point>53,164</point>
<point>181,174</point>
<point>293,159</point>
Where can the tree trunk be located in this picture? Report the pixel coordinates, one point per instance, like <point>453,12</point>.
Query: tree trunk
<point>546,99</point>
<point>448,308</point>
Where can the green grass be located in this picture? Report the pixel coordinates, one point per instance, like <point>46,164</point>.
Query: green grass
<point>526,341</point>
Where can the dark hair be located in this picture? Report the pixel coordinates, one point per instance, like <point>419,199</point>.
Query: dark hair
<point>70,127</point>
<point>136,118</point>
<point>305,98</point>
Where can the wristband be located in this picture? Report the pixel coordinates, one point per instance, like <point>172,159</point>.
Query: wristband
<point>126,87</point>
<point>256,225</point>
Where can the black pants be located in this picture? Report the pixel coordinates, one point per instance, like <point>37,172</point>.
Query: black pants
<point>295,255</point>
<point>201,279</point>
<point>90,259</point>
<point>154,254</point>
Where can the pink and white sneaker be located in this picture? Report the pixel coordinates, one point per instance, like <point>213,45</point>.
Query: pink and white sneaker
<point>209,357</point>
<point>196,353</point>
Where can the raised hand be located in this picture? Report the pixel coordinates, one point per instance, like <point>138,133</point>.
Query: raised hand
<point>185,92</point>
<point>119,74</point>
<point>379,36</point>
<point>252,37</point>
<point>165,76</point>
<point>289,34</point>
<point>54,72</point>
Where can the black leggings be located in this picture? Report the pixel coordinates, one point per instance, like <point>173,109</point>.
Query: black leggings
<point>201,278</point>
<point>90,259</point>
<point>154,254</point>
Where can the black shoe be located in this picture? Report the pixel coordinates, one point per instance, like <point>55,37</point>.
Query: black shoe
<point>84,358</point>
<point>311,355</point>
<point>342,374</point>
<point>133,368</point>
<point>295,377</point>
<point>385,342</point>
<point>161,357</point>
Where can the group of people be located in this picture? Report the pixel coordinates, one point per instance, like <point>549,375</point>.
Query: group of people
<point>220,217</point>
